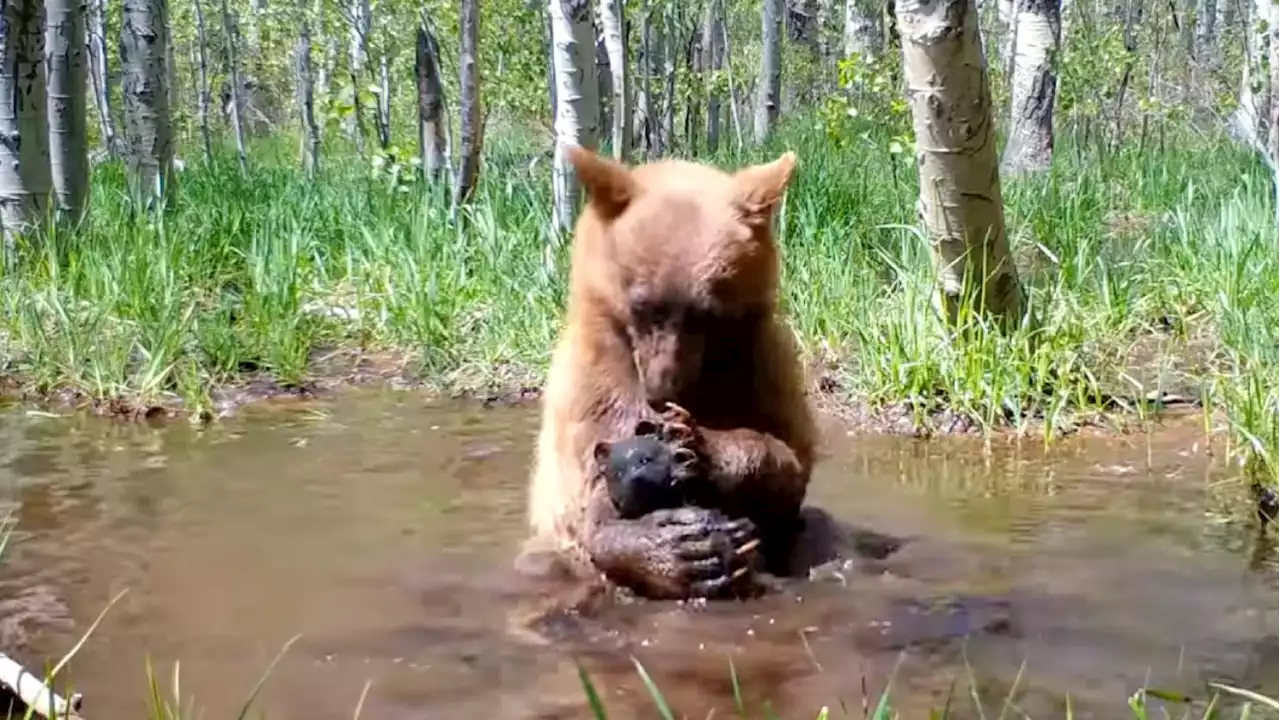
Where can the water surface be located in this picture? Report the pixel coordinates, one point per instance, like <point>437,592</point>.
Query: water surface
<point>381,529</point>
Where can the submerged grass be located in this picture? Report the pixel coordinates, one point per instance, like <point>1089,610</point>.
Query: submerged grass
<point>1149,272</point>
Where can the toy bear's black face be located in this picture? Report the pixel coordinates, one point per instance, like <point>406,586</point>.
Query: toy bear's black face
<point>643,474</point>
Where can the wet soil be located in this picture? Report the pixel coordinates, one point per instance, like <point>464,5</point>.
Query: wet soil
<point>380,527</point>
<point>338,369</point>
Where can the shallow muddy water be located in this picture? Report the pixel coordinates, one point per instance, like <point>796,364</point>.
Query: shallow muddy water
<point>381,530</point>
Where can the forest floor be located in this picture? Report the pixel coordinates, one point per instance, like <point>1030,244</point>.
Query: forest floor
<point>1153,275</point>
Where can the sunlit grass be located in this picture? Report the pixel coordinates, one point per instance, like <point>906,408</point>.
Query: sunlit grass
<point>1148,273</point>
<point>1140,704</point>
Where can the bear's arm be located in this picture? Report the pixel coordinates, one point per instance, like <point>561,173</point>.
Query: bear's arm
<point>761,464</point>
<point>755,472</point>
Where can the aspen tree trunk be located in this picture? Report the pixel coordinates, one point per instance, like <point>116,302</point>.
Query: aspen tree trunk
<point>1207,29</point>
<point>147,126</point>
<point>770,86</point>
<point>101,77</point>
<point>24,156</point>
<point>1034,88</point>
<point>306,98</point>
<point>733,94</point>
<point>253,31</point>
<point>577,109</point>
<point>1274,109</point>
<point>1006,13</point>
<point>669,83</point>
<point>1256,117</point>
<point>1133,20</point>
<point>328,44</point>
<point>237,122</point>
<point>361,24</point>
<point>650,117</point>
<point>471,127</point>
<point>960,199</point>
<point>1226,12</point>
<point>612,24</point>
<point>430,107</point>
<point>696,67</point>
<point>713,46</point>
<point>604,83</point>
<point>171,68</point>
<point>862,30</point>
<point>384,102</point>
<point>203,101</point>
<point>68,135</point>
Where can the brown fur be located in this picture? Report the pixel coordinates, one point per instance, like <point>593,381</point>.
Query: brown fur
<point>694,245</point>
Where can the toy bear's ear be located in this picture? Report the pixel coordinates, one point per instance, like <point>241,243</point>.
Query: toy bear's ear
<point>759,188</point>
<point>601,452</point>
<point>609,185</point>
<point>646,427</point>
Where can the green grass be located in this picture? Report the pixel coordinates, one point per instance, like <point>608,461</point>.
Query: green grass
<point>1139,703</point>
<point>1137,262</point>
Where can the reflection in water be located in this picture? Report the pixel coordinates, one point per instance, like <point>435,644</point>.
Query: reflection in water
<point>383,530</point>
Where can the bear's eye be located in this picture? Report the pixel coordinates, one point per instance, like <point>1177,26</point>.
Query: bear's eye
<point>650,313</point>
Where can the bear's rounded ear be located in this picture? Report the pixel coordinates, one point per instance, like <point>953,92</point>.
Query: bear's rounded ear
<point>759,188</point>
<point>609,185</point>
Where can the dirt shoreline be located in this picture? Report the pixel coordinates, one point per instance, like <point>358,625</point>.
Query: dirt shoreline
<point>337,370</point>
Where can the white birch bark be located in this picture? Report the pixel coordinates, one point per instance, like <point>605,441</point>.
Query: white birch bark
<point>25,181</point>
<point>1034,88</point>
<point>577,107</point>
<point>611,21</point>
<point>147,125</point>
<point>769,89</point>
<point>960,199</point>
<point>68,134</point>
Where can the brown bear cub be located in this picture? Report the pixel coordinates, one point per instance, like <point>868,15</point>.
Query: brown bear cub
<point>672,321</point>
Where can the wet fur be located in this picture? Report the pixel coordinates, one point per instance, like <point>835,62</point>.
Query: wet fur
<point>697,243</point>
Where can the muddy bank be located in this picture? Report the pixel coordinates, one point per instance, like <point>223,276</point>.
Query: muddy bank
<point>334,370</point>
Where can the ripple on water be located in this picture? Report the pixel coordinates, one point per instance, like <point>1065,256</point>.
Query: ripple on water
<point>382,528</point>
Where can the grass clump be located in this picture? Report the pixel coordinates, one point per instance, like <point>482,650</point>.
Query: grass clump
<point>1140,704</point>
<point>1149,272</point>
